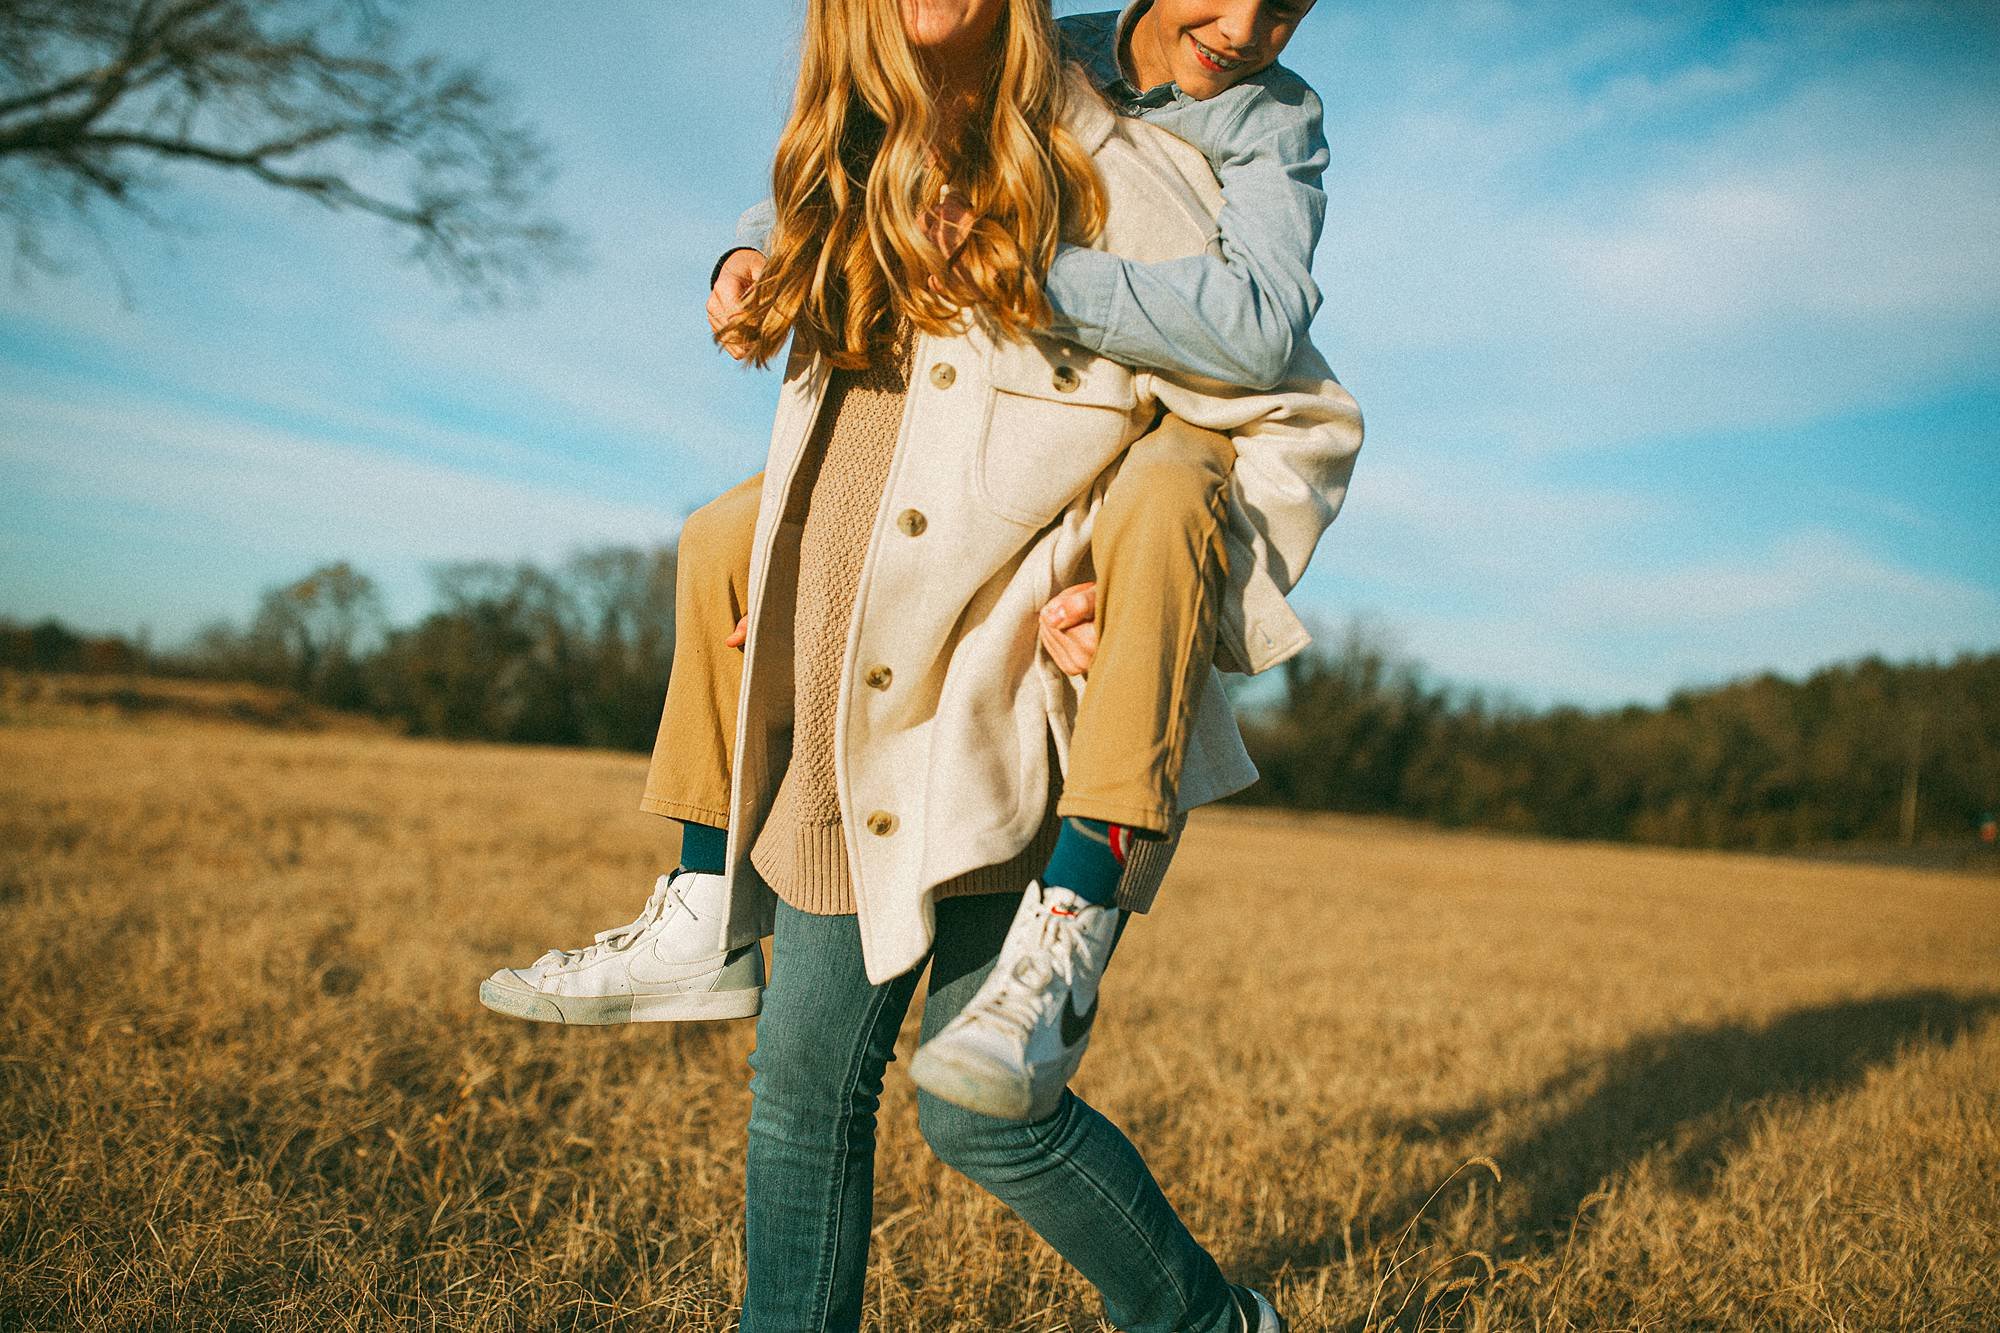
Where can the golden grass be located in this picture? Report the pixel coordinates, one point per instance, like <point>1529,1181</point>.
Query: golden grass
<point>246,1082</point>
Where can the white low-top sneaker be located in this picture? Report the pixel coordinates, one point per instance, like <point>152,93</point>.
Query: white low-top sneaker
<point>664,966</point>
<point>1013,1048</point>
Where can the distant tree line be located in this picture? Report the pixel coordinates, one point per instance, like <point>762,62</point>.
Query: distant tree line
<point>54,646</point>
<point>578,654</point>
<point>1865,751</point>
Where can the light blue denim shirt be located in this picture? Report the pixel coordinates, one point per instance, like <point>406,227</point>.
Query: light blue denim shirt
<point>1238,316</point>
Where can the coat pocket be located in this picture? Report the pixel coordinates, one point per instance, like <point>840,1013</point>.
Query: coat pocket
<point>1059,417</point>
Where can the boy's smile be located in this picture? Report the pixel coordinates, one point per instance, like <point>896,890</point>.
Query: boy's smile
<point>1215,60</point>
<point>1204,46</point>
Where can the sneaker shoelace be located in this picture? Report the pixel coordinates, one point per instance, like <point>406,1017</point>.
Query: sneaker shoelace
<point>664,897</point>
<point>1020,1007</point>
<point>1023,1005</point>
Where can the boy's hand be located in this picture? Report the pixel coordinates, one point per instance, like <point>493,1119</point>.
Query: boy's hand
<point>738,636</point>
<point>1068,628</point>
<point>732,284</point>
<point>947,225</point>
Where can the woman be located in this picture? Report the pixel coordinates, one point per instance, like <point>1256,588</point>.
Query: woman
<point>931,482</point>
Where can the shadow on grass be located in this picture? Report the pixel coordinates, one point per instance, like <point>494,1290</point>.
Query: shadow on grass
<point>1689,1098</point>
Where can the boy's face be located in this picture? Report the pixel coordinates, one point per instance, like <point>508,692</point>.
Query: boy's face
<point>1207,45</point>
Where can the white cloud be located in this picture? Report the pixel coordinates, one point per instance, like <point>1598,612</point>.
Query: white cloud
<point>1854,229</point>
<point>1770,234</point>
<point>1810,574</point>
<point>294,495</point>
<point>305,315</point>
<point>1473,527</point>
<point>1604,629</point>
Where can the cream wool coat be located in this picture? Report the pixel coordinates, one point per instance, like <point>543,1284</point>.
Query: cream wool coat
<point>948,708</point>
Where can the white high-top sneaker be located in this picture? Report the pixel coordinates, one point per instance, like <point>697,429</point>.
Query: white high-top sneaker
<point>664,966</point>
<point>1256,1314</point>
<point>1010,1052</point>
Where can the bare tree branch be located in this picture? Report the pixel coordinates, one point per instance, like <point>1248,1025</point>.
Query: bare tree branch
<point>315,98</point>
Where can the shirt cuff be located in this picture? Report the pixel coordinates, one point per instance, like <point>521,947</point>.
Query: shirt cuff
<point>754,228</point>
<point>1083,290</point>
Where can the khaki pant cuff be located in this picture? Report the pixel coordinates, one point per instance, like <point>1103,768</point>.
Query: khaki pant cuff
<point>1145,818</point>
<point>687,814</point>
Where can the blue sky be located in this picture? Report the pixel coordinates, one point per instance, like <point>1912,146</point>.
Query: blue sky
<point>1675,328</point>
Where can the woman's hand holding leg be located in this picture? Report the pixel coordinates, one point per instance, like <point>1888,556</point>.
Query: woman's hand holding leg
<point>1068,628</point>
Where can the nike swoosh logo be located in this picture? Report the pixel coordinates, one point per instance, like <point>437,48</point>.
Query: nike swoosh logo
<point>1075,1026</point>
<point>655,970</point>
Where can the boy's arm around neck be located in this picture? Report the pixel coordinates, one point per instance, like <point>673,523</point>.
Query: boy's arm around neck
<point>1240,312</point>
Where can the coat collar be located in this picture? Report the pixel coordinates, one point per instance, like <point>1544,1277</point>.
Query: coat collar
<point>1085,114</point>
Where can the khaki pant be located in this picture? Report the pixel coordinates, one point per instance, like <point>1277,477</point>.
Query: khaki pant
<point>1160,563</point>
<point>689,777</point>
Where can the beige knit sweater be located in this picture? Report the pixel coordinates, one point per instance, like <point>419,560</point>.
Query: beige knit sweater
<point>801,851</point>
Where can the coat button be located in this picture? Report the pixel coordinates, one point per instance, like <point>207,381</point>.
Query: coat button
<point>912,522</point>
<point>1065,379</point>
<point>881,823</point>
<point>878,677</point>
<point>942,374</point>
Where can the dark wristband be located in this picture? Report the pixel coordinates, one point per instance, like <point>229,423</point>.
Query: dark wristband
<point>716,272</point>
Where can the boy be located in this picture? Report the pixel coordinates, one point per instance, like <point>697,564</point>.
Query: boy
<point>1203,69</point>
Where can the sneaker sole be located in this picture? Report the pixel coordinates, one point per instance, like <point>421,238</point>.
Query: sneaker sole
<point>974,1085</point>
<point>606,1010</point>
<point>969,1085</point>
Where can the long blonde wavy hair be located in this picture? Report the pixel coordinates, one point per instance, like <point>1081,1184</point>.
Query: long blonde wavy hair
<point>866,155</point>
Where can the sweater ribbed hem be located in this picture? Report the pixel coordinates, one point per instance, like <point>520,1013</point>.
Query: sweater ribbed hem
<point>1146,865</point>
<point>805,863</point>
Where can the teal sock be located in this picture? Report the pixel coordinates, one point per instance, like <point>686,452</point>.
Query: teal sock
<point>704,850</point>
<point>1089,859</point>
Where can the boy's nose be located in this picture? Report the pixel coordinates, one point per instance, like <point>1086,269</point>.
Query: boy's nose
<point>1238,25</point>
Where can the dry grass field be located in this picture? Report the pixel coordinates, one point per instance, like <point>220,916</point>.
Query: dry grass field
<point>1396,1077</point>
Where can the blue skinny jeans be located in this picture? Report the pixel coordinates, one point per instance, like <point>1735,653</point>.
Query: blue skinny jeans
<point>823,1041</point>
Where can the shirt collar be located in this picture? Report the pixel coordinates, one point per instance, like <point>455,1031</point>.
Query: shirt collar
<point>1112,76</point>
